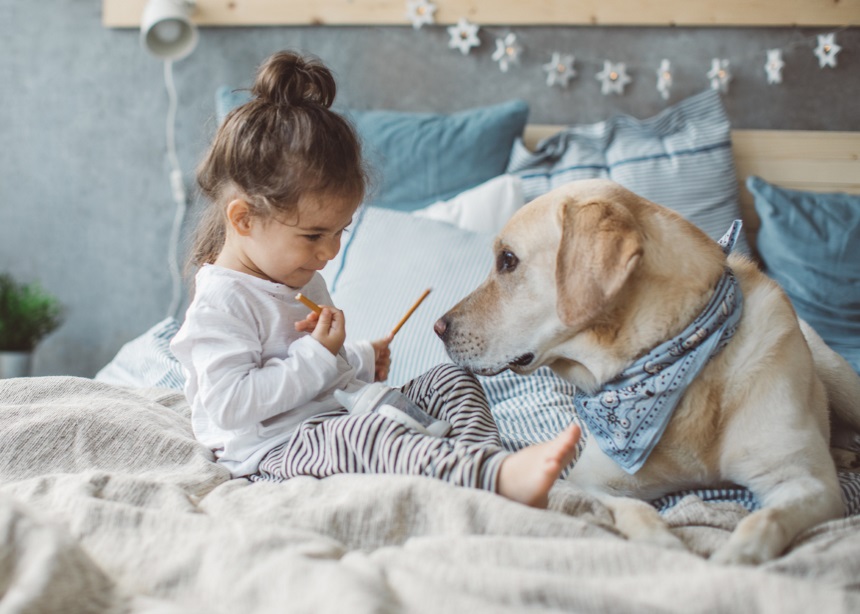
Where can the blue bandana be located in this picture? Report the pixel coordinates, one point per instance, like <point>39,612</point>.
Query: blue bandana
<point>628,416</point>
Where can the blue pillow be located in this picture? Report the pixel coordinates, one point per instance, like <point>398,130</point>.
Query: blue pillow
<point>420,158</point>
<point>810,243</point>
<point>681,158</point>
<point>390,259</point>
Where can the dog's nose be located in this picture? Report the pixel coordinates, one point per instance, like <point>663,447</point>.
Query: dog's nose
<point>441,328</point>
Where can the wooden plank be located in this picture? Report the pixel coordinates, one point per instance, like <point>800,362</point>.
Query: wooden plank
<point>126,13</point>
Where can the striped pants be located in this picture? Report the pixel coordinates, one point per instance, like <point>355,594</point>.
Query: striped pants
<point>338,442</point>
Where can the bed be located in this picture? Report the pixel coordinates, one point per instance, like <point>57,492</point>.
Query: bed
<point>108,504</point>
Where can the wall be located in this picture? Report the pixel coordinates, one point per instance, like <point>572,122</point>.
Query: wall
<point>85,205</point>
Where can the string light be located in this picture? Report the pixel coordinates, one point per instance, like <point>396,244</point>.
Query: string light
<point>720,75</point>
<point>613,77</point>
<point>508,51</point>
<point>420,13</point>
<point>827,50</point>
<point>773,66</point>
<point>664,78</point>
<point>560,70</point>
<point>464,36</point>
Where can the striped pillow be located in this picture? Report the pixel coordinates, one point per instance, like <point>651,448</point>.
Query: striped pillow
<point>146,361</point>
<point>530,408</point>
<point>681,158</point>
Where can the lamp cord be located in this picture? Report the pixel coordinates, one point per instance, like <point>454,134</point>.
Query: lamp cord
<point>177,186</point>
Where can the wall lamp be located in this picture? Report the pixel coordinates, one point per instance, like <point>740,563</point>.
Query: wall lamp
<point>166,30</point>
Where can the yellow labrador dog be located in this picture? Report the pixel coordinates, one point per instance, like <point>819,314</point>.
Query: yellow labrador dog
<point>691,367</point>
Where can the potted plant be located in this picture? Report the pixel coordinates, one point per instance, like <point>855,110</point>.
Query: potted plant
<point>27,315</point>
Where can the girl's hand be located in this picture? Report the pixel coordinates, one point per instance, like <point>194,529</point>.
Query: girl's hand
<point>329,329</point>
<point>383,357</point>
<point>308,324</point>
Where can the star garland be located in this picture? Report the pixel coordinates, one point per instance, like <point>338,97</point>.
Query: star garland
<point>560,69</point>
<point>827,50</point>
<point>464,36</point>
<point>664,78</point>
<point>720,75</point>
<point>508,51</point>
<point>613,78</point>
<point>420,13</point>
<point>773,66</point>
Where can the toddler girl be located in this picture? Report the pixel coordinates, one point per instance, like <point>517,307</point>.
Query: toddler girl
<point>284,177</point>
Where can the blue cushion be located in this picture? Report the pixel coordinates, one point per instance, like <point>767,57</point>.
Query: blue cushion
<point>680,158</point>
<point>420,158</point>
<point>389,260</point>
<point>810,244</point>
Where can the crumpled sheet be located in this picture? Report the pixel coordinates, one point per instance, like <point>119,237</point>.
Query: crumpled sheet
<point>108,504</point>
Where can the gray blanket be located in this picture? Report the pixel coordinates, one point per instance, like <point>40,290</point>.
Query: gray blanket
<point>108,504</point>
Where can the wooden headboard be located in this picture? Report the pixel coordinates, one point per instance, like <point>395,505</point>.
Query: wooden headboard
<point>797,159</point>
<point>126,13</point>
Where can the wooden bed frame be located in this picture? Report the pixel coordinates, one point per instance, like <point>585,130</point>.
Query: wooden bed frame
<point>126,13</point>
<point>798,159</point>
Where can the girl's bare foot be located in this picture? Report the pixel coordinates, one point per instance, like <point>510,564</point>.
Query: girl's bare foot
<point>528,475</point>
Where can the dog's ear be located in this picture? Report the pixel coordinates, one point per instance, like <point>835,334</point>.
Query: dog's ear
<point>600,247</point>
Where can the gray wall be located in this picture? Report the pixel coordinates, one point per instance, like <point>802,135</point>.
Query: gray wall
<point>85,206</point>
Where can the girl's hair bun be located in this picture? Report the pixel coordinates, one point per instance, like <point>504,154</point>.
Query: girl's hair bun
<point>288,79</point>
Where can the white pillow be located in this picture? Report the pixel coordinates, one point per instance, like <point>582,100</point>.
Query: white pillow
<point>484,208</point>
<point>388,260</point>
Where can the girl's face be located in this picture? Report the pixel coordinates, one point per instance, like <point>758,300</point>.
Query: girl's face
<point>290,251</point>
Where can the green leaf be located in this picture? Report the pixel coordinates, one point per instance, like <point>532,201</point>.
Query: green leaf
<point>27,314</point>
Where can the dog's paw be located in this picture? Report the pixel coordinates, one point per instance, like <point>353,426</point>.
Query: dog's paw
<point>757,539</point>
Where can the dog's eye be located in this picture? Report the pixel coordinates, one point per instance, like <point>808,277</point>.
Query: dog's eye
<point>506,261</point>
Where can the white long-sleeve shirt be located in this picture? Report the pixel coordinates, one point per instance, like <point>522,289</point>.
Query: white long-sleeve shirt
<point>251,378</point>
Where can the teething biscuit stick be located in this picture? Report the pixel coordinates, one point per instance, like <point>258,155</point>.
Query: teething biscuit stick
<point>409,313</point>
<point>308,303</point>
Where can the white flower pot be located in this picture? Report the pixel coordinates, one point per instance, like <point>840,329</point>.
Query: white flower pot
<point>16,364</point>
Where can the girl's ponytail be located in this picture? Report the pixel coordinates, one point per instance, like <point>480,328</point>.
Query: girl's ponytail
<point>287,79</point>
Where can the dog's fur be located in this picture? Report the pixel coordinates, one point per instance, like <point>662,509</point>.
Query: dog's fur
<point>590,277</point>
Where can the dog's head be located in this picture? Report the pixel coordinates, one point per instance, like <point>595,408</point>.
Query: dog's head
<point>586,279</point>
<point>561,266</point>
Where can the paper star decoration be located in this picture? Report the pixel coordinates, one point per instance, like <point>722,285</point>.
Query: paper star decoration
<point>464,36</point>
<point>613,78</point>
<point>507,52</point>
<point>827,50</point>
<point>420,12</point>
<point>720,75</point>
<point>560,70</point>
<point>664,78</point>
<point>774,65</point>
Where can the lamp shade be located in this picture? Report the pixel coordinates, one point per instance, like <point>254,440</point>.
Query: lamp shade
<point>166,30</point>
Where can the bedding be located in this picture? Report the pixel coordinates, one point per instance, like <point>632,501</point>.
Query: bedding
<point>108,504</point>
